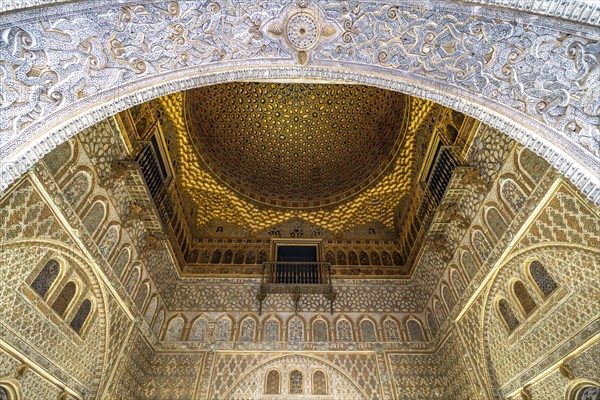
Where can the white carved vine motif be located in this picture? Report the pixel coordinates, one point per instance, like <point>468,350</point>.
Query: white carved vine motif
<point>60,61</point>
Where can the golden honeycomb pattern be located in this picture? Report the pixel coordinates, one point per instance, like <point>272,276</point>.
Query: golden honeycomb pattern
<point>296,145</point>
<point>214,200</point>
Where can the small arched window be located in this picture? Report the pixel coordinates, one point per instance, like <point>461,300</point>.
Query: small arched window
<point>375,259</point>
<point>3,394</point>
<point>94,217</point>
<point>330,257</point>
<point>247,332</point>
<point>81,316</point>
<point>507,315</point>
<point>175,329</point>
<point>415,332</point>
<point>344,330</point>
<point>228,257</point>
<point>341,258</point>
<point>216,257</point>
<point>272,330</point>
<point>522,295</point>
<point>296,382</point>
<point>250,258</point>
<point>386,259</point>
<point>320,333</point>
<point>364,258</point>
<point>448,298</point>
<point>43,282</point>
<point>223,332</point>
<point>239,257</point>
<point>272,384</point>
<point>367,331</point>
<point>296,330</point>
<point>352,258</point>
<point>198,331</point>
<point>541,278</point>
<point>392,333</point>
<point>319,382</point>
<point>457,282</point>
<point>64,298</point>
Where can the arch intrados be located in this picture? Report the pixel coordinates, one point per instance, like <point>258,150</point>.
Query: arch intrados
<point>42,137</point>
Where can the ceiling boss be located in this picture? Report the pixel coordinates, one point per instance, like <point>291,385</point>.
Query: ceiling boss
<point>301,29</point>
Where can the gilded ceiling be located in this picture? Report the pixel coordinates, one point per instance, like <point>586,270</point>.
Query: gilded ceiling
<point>374,180</point>
<point>296,145</point>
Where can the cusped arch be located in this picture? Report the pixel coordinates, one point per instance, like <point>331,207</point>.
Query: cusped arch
<point>476,89</point>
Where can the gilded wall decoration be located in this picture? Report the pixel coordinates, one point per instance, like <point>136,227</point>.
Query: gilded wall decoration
<point>214,200</point>
<point>297,145</point>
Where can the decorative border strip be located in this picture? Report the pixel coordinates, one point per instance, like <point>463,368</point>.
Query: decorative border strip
<point>15,165</point>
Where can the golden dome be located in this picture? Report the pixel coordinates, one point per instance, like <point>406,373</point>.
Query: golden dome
<point>296,145</point>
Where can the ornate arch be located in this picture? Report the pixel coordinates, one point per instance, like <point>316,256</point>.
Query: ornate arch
<point>91,277</point>
<point>314,361</point>
<point>497,285</point>
<point>483,68</point>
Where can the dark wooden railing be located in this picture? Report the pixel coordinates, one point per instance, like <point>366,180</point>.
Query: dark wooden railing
<point>296,273</point>
<point>296,279</point>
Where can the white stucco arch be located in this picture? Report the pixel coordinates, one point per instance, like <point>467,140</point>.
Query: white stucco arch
<point>70,67</point>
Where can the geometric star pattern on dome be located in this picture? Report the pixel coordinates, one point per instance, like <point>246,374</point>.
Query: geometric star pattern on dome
<point>296,145</point>
<point>213,200</point>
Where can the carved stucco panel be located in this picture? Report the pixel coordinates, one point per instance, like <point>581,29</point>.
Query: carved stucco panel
<point>77,59</point>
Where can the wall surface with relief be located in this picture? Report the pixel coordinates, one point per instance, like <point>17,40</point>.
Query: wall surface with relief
<point>152,334</point>
<point>500,301</point>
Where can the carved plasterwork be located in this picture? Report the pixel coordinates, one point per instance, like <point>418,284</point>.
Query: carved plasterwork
<point>213,200</point>
<point>452,55</point>
<point>297,145</point>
